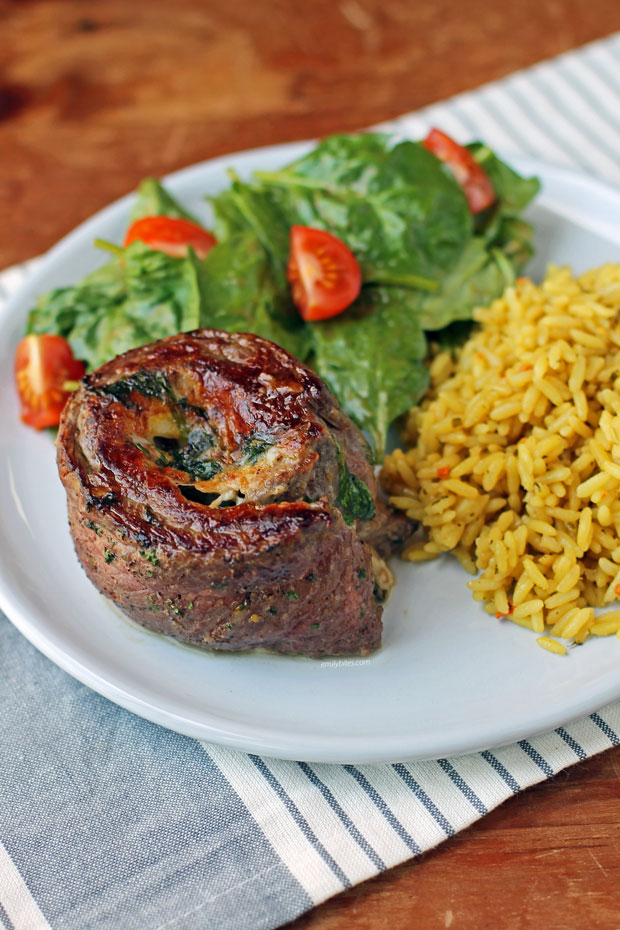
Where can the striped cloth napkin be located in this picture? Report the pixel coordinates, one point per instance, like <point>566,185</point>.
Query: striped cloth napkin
<point>109,822</point>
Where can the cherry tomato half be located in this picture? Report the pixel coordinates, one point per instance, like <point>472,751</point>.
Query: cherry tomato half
<point>171,235</point>
<point>470,175</point>
<point>324,274</point>
<point>46,374</point>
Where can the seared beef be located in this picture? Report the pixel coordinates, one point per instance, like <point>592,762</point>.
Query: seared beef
<point>217,493</point>
<point>389,530</point>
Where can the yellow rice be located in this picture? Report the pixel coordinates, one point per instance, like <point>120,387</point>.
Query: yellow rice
<point>513,462</point>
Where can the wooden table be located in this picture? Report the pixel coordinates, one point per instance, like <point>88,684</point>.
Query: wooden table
<point>94,96</point>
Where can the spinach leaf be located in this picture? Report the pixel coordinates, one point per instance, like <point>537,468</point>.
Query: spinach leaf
<point>240,294</point>
<point>404,217</point>
<point>426,263</point>
<point>254,447</point>
<point>355,161</point>
<point>479,275</point>
<point>162,292</point>
<point>372,359</point>
<point>152,199</point>
<point>58,311</point>
<point>354,499</point>
<point>192,458</point>
<point>503,228</point>
<point>250,208</point>
<point>137,298</point>
<point>452,336</point>
<point>150,382</point>
<point>79,313</point>
<point>103,335</point>
<point>513,192</point>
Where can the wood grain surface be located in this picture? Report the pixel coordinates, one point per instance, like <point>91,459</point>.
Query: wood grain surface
<point>548,859</point>
<point>96,95</point>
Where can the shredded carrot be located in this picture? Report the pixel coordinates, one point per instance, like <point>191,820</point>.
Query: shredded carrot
<point>617,589</point>
<point>443,472</point>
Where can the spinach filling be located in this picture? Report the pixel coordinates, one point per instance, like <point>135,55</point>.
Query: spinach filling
<point>188,454</point>
<point>253,447</point>
<point>147,382</point>
<point>354,498</point>
<point>192,457</point>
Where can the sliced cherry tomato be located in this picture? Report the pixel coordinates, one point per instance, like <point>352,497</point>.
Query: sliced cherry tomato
<point>46,374</point>
<point>470,175</point>
<point>171,235</point>
<point>324,274</point>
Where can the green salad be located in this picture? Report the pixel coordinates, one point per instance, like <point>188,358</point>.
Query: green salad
<point>426,260</point>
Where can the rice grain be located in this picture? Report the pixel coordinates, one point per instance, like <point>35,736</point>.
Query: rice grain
<point>513,459</point>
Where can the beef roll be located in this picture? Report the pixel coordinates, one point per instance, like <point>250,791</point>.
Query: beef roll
<point>217,493</point>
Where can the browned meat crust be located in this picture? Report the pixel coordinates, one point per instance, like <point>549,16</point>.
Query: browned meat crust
<point>389,530</point>
<point>203,477</point>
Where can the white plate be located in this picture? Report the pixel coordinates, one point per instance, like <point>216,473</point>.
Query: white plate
<point>449,679</point>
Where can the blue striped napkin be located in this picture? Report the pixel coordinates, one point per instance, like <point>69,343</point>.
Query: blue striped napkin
<point>108,822</point>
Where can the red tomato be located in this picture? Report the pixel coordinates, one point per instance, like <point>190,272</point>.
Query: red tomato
<point>471,176</point>
<point>324,274</point>
<point>46,374</point>
<point>171,235</point>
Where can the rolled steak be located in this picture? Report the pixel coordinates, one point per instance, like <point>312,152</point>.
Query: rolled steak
<point>217,493</point>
